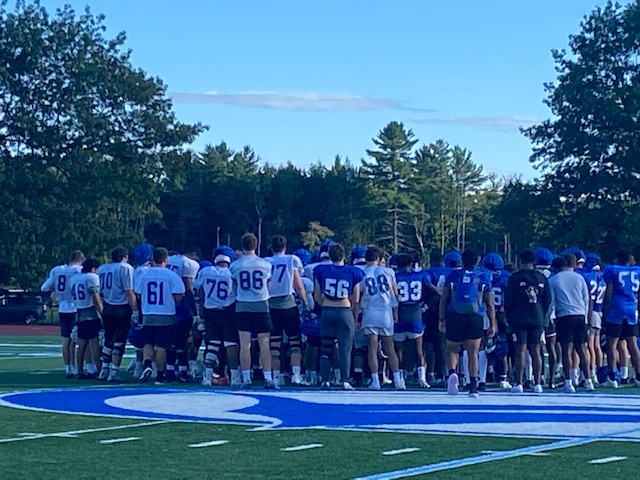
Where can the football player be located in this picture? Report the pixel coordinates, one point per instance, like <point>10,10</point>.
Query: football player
<point>337,290</point>
<point>379,306</point>
<point>116,285</point>
<point>597,290</point>
<point>285,280</point>
<point>217,300</point>
<point>251,275</point>
<point>621,313</point>
<point>59,284</point>
<point>159,291</point>
<point>412,292</point>
<point>544,258</point>
<point>186,266</point>
<point>85,292</point>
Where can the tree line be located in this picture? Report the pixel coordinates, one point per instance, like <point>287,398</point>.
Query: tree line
<point>92,156</point>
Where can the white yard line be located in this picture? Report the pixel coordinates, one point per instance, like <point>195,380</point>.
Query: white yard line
<point>537,454</point>
<point>72,433</point>
<point>599,461</point>
<point>119,440</point>
<point>213,443</point>
<point>302,447</point>
<point>401,450</point>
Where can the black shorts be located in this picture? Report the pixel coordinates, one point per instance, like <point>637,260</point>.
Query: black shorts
<point>161,336</point>
<point>182,333</point>
<point>529,334</point>
<point>254,322</point>
<point>430,319</point>
<point>221,325</point>
<point>550,330</point>
<point>571,329</point>
<point>287,320</point>
<point>67,321</point>
<point>89,329</point>
<point>117,322</point>
<point>462,327</point>
<point>623,330</point>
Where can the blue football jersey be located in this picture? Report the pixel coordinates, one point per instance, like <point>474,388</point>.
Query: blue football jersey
<point>597,287</point>
<point>624,302</point>
<point>439,280</point>
<point>412,289</point>
<point>485,284</point>
<point>337,282</point>
<point>499,282</point>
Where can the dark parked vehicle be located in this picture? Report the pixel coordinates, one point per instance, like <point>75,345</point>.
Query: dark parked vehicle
<point>19,306</point>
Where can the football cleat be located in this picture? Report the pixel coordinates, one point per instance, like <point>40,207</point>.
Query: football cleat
<point>537,389</point>
<point>347,386</point>
<point>568,387</point>
<point>374,386</point>
<point>269,385</point>
<point>401,385</point>
<point>588,384</point>
<point>517,388</point>
<point>146,373</point>
<point>206,382</point>
<point>114,376</point>
<point>424,384</point>
<point>610,383</point>
<point>104,374</point>
<point>325,386</point>
<point>453,384</point>
<point>473,394</point>
<point>505,385</point>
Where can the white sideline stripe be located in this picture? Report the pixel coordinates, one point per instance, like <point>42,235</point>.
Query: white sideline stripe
<point>213,443</point>
<point>302,447</point>
<point>119,440</point>
<point>538,454</point>
<point>73,433</point>
<point>599,461</point>
<point>30,345</point>
<point>401,450</point>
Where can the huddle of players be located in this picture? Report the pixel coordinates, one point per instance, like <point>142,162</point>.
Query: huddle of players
<point>360,305</point>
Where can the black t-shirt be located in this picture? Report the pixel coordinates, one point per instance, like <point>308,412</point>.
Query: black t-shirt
<point>527,298</point>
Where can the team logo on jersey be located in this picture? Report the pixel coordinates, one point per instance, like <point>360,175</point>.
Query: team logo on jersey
<point>547,416</point>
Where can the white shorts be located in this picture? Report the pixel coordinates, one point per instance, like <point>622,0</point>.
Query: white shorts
<point>596,320</point>
<point>377,319</point>
<point>404,336</point>
<point>380,331</point>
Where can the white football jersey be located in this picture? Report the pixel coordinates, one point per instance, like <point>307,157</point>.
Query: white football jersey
<point>217,286</point>
<point>115,280</point>
<point>308,287</point>
<point>184,267</point>
<point>83,286</point>
<point>251,276</point>
<point>282,274</point>
<point>156,287</point>
<point>59,281</point>
<point>308,270</point>
<point>377,289</point>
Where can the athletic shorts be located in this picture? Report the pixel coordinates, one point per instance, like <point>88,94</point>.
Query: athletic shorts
<point>67,321</point>
<point>254,322</point>
<point>550,330</point>
<point>571,329</point>
<point>529,334</point>
<point>161,336</point>
<point>285,320</point>
<point>380,331</point>
<point>461,327</point>
<point>182,333</point>
<point>221,325</point>
<point>404,336</point>
<point>89,329</point>
<point>623,330</point>
<point>117,322</point>
<point>431,333</point>
<point>596,320</point>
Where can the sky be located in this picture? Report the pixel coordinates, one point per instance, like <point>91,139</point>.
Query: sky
<point>305,81</point>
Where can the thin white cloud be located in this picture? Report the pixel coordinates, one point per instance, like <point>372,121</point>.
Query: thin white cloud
<point>297,101</point>
<point>482,121</point>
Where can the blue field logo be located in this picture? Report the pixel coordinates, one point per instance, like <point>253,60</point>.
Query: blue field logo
<point>496,414</point>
